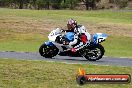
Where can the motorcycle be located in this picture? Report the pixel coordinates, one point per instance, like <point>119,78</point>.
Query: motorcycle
<point>55,46</point>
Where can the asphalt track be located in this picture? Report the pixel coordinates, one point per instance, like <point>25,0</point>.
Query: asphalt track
<point>65,59</point>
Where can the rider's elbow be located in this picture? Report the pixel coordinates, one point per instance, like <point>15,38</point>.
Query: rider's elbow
<point>74,42</point>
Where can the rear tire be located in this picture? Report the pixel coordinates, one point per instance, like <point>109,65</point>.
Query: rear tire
<point>48,51</point>
<point>98,53</point>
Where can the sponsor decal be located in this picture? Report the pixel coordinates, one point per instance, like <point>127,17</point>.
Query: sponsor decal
<point>83,78</point>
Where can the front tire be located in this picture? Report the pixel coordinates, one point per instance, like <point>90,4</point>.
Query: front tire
<point>48,51</point>
<point>97,53</point>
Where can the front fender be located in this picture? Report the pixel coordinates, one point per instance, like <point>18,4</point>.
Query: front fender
<point>99,37</point>
<point>49,43</point>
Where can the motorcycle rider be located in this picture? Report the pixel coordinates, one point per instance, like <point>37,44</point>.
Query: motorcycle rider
<point>79,32</point>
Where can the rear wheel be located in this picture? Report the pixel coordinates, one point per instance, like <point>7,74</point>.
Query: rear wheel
<point>95,53</point>
<point>48,51</point>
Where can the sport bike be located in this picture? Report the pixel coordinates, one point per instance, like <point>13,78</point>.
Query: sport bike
<point>55,46</point>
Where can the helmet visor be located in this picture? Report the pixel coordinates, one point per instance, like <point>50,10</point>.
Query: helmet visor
<point>69,26</point>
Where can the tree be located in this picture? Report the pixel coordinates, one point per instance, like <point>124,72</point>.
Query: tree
<point>122,3</point>
<point>5,2</point>
<point>32,4</point>
<point>90,4</point>
<point>2,2</point>
<point>21,3</point>
<point>56,4</point>
<point>70,3</point>
<point>40,4</point>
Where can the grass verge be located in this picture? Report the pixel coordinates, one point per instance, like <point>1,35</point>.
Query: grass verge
<point>26,30</point>
<point>41,74</point>
<point>118,46</point>
<point>114,46</point>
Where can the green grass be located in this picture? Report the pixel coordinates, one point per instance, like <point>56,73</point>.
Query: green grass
<point>118,46</point>
<point>26,46</point>
<point>26,30</point>
<point>26,43</point>
<point>63,15</point>
<point>41,74</point>
<point>114,46</point>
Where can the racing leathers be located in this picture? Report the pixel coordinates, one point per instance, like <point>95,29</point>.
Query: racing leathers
<point>80,33</point>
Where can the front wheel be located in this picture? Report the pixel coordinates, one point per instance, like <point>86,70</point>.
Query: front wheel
<point>48,51</point>
<point>95,53</point>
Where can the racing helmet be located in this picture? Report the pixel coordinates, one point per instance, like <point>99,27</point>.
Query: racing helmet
<point>71,24</point>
